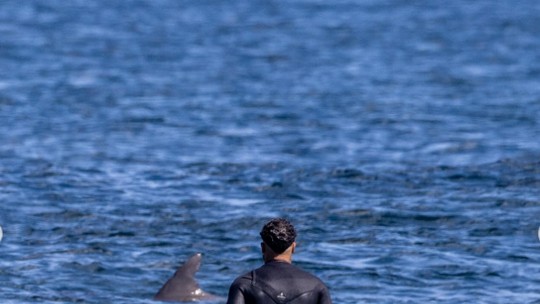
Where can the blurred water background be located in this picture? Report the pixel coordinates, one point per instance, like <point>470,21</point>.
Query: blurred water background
<point>401,137</point>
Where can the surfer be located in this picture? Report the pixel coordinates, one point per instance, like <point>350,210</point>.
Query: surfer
<point>278,280</point>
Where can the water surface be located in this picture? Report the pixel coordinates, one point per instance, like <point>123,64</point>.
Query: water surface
<point>400,138</point>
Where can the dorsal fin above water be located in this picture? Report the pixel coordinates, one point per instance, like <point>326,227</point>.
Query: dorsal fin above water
<point>182,286</point>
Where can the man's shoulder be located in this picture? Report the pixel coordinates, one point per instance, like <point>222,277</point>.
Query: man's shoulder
<point>312,277</point>
<point>242,279</point>
<point>294,271</point>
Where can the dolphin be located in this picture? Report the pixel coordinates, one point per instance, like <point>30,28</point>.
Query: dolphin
<point>182,286</point>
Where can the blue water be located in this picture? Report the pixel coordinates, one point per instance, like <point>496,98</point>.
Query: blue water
<point>401,137</point>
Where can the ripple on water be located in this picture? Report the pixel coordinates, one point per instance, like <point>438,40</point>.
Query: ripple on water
<point>409,166</point>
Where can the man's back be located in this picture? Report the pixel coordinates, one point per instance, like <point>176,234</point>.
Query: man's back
<point>278,282</point>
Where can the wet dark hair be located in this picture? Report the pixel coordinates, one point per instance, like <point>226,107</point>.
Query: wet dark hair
<point>279,234</point>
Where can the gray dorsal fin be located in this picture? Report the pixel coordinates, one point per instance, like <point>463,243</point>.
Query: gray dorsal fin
<point>182,286</point>
<point>189,268</point>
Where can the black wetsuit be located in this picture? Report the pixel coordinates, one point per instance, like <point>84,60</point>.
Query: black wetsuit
<point>276,283</point>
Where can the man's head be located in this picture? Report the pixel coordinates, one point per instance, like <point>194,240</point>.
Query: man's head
<point>279,236</point>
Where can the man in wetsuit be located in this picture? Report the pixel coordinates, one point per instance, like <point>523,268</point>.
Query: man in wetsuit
<point>278,281</point>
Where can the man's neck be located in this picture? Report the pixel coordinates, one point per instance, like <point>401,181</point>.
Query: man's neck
<point>281,258</point>
<point>285,256</point>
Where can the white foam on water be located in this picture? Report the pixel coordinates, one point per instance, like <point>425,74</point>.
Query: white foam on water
<point>1,233</point>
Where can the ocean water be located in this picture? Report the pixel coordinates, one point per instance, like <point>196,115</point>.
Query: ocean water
<point>400,137</point>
